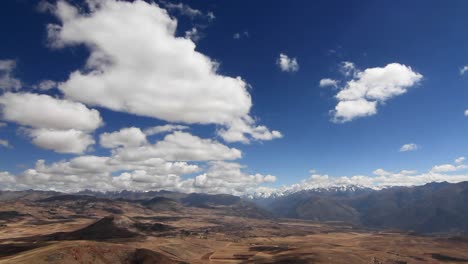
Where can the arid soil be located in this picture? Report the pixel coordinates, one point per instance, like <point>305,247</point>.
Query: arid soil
<point>117,231</point>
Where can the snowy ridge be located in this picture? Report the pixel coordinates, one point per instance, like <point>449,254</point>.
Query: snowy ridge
<point>284,191</point>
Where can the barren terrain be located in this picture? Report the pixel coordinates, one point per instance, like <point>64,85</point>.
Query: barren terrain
<point>68,229</point>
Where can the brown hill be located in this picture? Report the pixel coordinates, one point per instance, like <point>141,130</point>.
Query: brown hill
<point>78,252</point>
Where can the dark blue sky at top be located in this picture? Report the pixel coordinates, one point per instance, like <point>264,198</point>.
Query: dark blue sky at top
<point>429,36</point>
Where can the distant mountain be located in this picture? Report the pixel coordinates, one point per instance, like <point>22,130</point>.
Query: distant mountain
<point>159,203</point>
<point>26,195</point>
<point>321,204</point>
<point>209,200</point>
<point>434,207</point>
<point>431,208</point>
<point>346,189</point>
<point>227,204</point>
<point>72,197</point>
<point>133,195</point>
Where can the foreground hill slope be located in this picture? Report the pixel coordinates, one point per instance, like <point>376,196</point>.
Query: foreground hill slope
<point>79,252</point>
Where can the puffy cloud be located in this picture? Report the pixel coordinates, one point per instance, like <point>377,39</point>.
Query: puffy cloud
<point>409,147</point>
<point>287,64</point>
<point>164,129</point>
<point>168,78</point>
<point>466,112</point>
<point>4,143</point>
<point>125,137</point>
<point>7,81</point>
<point>328,83</point>
<point>459,160</point>
<point>7,181</point>
<point>238,129</point>
<point>180,146</point>
<point>380,83</point>
<point>371,87</point>
<point>95,173</point>
<point>448,168</point>
<point>381,172</point>
<point>104,166</point>
<point>463,70</point>
<point>45,85</point>
<point>63,129</point>
<point>143,180</point>
<point>348,110</point>
<point>62,141</point>
<point>227,177</point>
<point>28,109</point>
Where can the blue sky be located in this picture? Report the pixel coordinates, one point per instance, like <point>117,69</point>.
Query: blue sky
<point>427,38</point>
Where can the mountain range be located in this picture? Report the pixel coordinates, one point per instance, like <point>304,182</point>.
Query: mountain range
<point>431,208</point>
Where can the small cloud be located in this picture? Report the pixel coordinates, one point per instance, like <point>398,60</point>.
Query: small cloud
<point>5,143</point>
<point>466,112</point>
<point>409,147</point>
<point>7,81</point>
<point>408,172</point>
<point>328,83</point>
<point>210,15</point>
<point>45,85</point>
<point>193,34</point>
<point>463,70</point>
<point>447,168</point>
<point>164,129</point>
<point>188,11</point>
<point>287,64</point>
<point>240,35</point>
<point>348,68</point>
<point>459,160</point>
<point>381,172</point>
<point>45,7</point>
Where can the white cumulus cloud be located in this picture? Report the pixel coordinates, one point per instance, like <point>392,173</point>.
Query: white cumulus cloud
<point>371,87</point>
<point>327,82</point>
<point>162,77</point>
<point>54,124</point>
<point>287,64</point>
<point>125,137</point>
<point>44,111</point>
<point>62,141</point>
<point>180,146</point>
<point>240,127</point>
<point>409,147</point>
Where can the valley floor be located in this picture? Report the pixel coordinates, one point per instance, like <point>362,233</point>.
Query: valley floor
<point>60,233</point>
